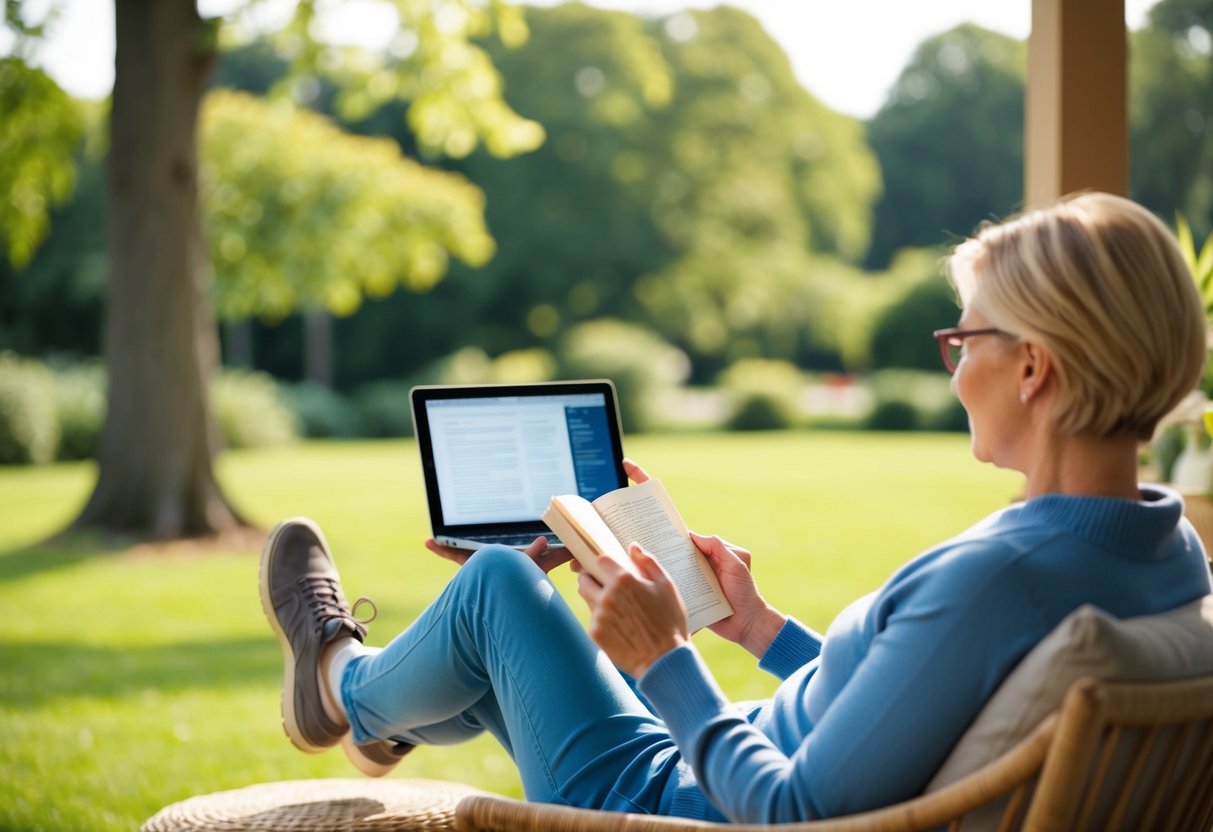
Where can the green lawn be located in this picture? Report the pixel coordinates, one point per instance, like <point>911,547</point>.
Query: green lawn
<point>129,680</point>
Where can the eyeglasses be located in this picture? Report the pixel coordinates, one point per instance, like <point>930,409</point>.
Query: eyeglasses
<point>951,340</point>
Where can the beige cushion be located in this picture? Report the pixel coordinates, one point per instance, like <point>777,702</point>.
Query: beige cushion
<point>1089,642</point>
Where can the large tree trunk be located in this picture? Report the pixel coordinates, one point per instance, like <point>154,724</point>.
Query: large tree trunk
<point>161,342</point>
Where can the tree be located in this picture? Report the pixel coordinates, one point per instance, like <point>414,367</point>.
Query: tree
<point>1170,107</point>
<point>689,184</point>
<point>950,141</point>
<point>759,188</point>
<point>156,475</point>
<point>39,130</point>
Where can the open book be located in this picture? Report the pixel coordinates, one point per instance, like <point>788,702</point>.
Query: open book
<point>643,514</point>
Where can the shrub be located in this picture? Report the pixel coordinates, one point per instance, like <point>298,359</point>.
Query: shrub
<point>763,394</point>
<point>29,429</point>
<point>893,414</point>
<point>321,412</point>
<point>928,395</point>
<point>251,411</point>
<point>470,365</point>
<point>80,407</point>
<point>952,417</point>
<point>523,366</point>
<point>383,409</point>
<point>641,364</point>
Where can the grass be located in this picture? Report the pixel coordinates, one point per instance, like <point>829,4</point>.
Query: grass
<point>130,679</point>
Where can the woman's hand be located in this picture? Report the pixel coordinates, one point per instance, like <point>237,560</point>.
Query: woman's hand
<point>754,623</point>
<point>636,618</point>
<point>545,556</point>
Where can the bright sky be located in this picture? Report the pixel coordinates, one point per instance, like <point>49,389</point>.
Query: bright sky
<point>846,52</point>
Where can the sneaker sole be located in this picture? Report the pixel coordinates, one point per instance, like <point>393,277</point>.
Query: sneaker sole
<point>360,761</point>
<point>290,724</point>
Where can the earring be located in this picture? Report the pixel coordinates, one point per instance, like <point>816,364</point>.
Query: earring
<point>1023,398</point>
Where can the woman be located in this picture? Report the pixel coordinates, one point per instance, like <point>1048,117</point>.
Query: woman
<point>1080,329</point>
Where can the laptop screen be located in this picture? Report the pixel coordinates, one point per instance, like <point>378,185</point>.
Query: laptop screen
<point>493,456</point>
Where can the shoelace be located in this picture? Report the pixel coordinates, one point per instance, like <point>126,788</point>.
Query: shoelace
<point>326,603</point>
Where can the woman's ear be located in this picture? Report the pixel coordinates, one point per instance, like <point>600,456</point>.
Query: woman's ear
<point>1035,372</point>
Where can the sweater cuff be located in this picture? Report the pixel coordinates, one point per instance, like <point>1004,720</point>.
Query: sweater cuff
<point>682,689</point>
<point>795,645</point>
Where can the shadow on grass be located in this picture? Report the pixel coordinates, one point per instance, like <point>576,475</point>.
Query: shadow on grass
<point>34,672</point>
<point>26,561</point>
<point>70,548</point>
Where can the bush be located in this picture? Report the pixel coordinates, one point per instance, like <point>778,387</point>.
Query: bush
<point>642,366</point>
<point>80,408</point>
<point>29,428</point>
<point>893,414</point>
<point>523,366</point>
<point>914,400</point>
<point>321,412</point>
<point>763,394</point>
<point>383,409</point>
<point>251,411</point>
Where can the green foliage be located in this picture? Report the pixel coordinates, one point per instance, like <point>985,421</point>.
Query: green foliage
<point>29,429</point>
<point>901,336</point>
<point>321,412</point>
<point>40,129</point>
<point>754,177</point>
<point>384,410</point>
<point>1170,104</point>
<point>763,394</point>
<point>854,303</point>
<point>524,366</point>
<point>435,61</point>
<point>56,303</point>
<point>914,400</point>
<point>79,391</point>
<point>689,184</point>
<point>638,361</point>
<point>300,213</point>
<point>894,415</point>
<point>1199,262</point>
<point>950,140</point>
<point>250,410</point>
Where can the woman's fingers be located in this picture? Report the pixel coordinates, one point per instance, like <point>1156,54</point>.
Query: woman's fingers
<point>635,473</point>
<point>459,556</point>
<point>714,546</point>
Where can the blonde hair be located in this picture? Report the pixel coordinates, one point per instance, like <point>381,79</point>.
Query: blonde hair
<point>1099,282</point>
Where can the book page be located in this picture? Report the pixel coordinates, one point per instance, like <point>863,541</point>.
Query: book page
<point>584,533</point>
<point>645,514</point>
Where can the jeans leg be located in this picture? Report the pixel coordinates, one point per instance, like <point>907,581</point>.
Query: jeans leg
<point>500,650</point>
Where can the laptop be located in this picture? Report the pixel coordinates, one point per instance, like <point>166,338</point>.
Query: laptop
<point>494,455</point>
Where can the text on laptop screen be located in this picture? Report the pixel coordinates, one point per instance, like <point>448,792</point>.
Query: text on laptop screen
<point>501,459</point>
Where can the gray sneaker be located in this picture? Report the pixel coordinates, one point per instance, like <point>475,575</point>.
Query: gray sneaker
<point>301,596</point>
<point>377,757</point>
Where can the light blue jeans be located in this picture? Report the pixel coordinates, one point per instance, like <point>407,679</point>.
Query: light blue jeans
<point>500,650</point>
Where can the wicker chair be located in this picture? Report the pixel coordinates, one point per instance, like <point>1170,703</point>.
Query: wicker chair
<point>1115,756</point>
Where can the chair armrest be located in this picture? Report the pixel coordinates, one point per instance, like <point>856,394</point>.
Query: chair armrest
<point>489,813</point>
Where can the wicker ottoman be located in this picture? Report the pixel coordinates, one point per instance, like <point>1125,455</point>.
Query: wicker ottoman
<point>361,804</point>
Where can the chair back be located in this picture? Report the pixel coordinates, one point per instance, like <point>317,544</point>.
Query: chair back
<point>1129,756</point>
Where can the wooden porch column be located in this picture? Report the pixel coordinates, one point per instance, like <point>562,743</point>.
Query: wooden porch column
<point>1076,133</point>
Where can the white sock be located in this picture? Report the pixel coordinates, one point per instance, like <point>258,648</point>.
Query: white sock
<point>337,657</point>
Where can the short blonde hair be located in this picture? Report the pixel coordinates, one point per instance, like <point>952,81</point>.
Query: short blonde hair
<point>1100,283</point>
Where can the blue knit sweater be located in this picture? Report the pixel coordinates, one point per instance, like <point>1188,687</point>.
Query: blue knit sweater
<point>868,713</point>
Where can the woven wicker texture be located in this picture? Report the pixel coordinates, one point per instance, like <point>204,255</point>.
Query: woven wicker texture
<point>319,804</point>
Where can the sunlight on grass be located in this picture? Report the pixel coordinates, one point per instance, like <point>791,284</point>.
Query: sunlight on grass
<point>128,681</point>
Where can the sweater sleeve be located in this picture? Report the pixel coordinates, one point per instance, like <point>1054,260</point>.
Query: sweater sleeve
<point>880,725</point>
<point>795,645</point>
